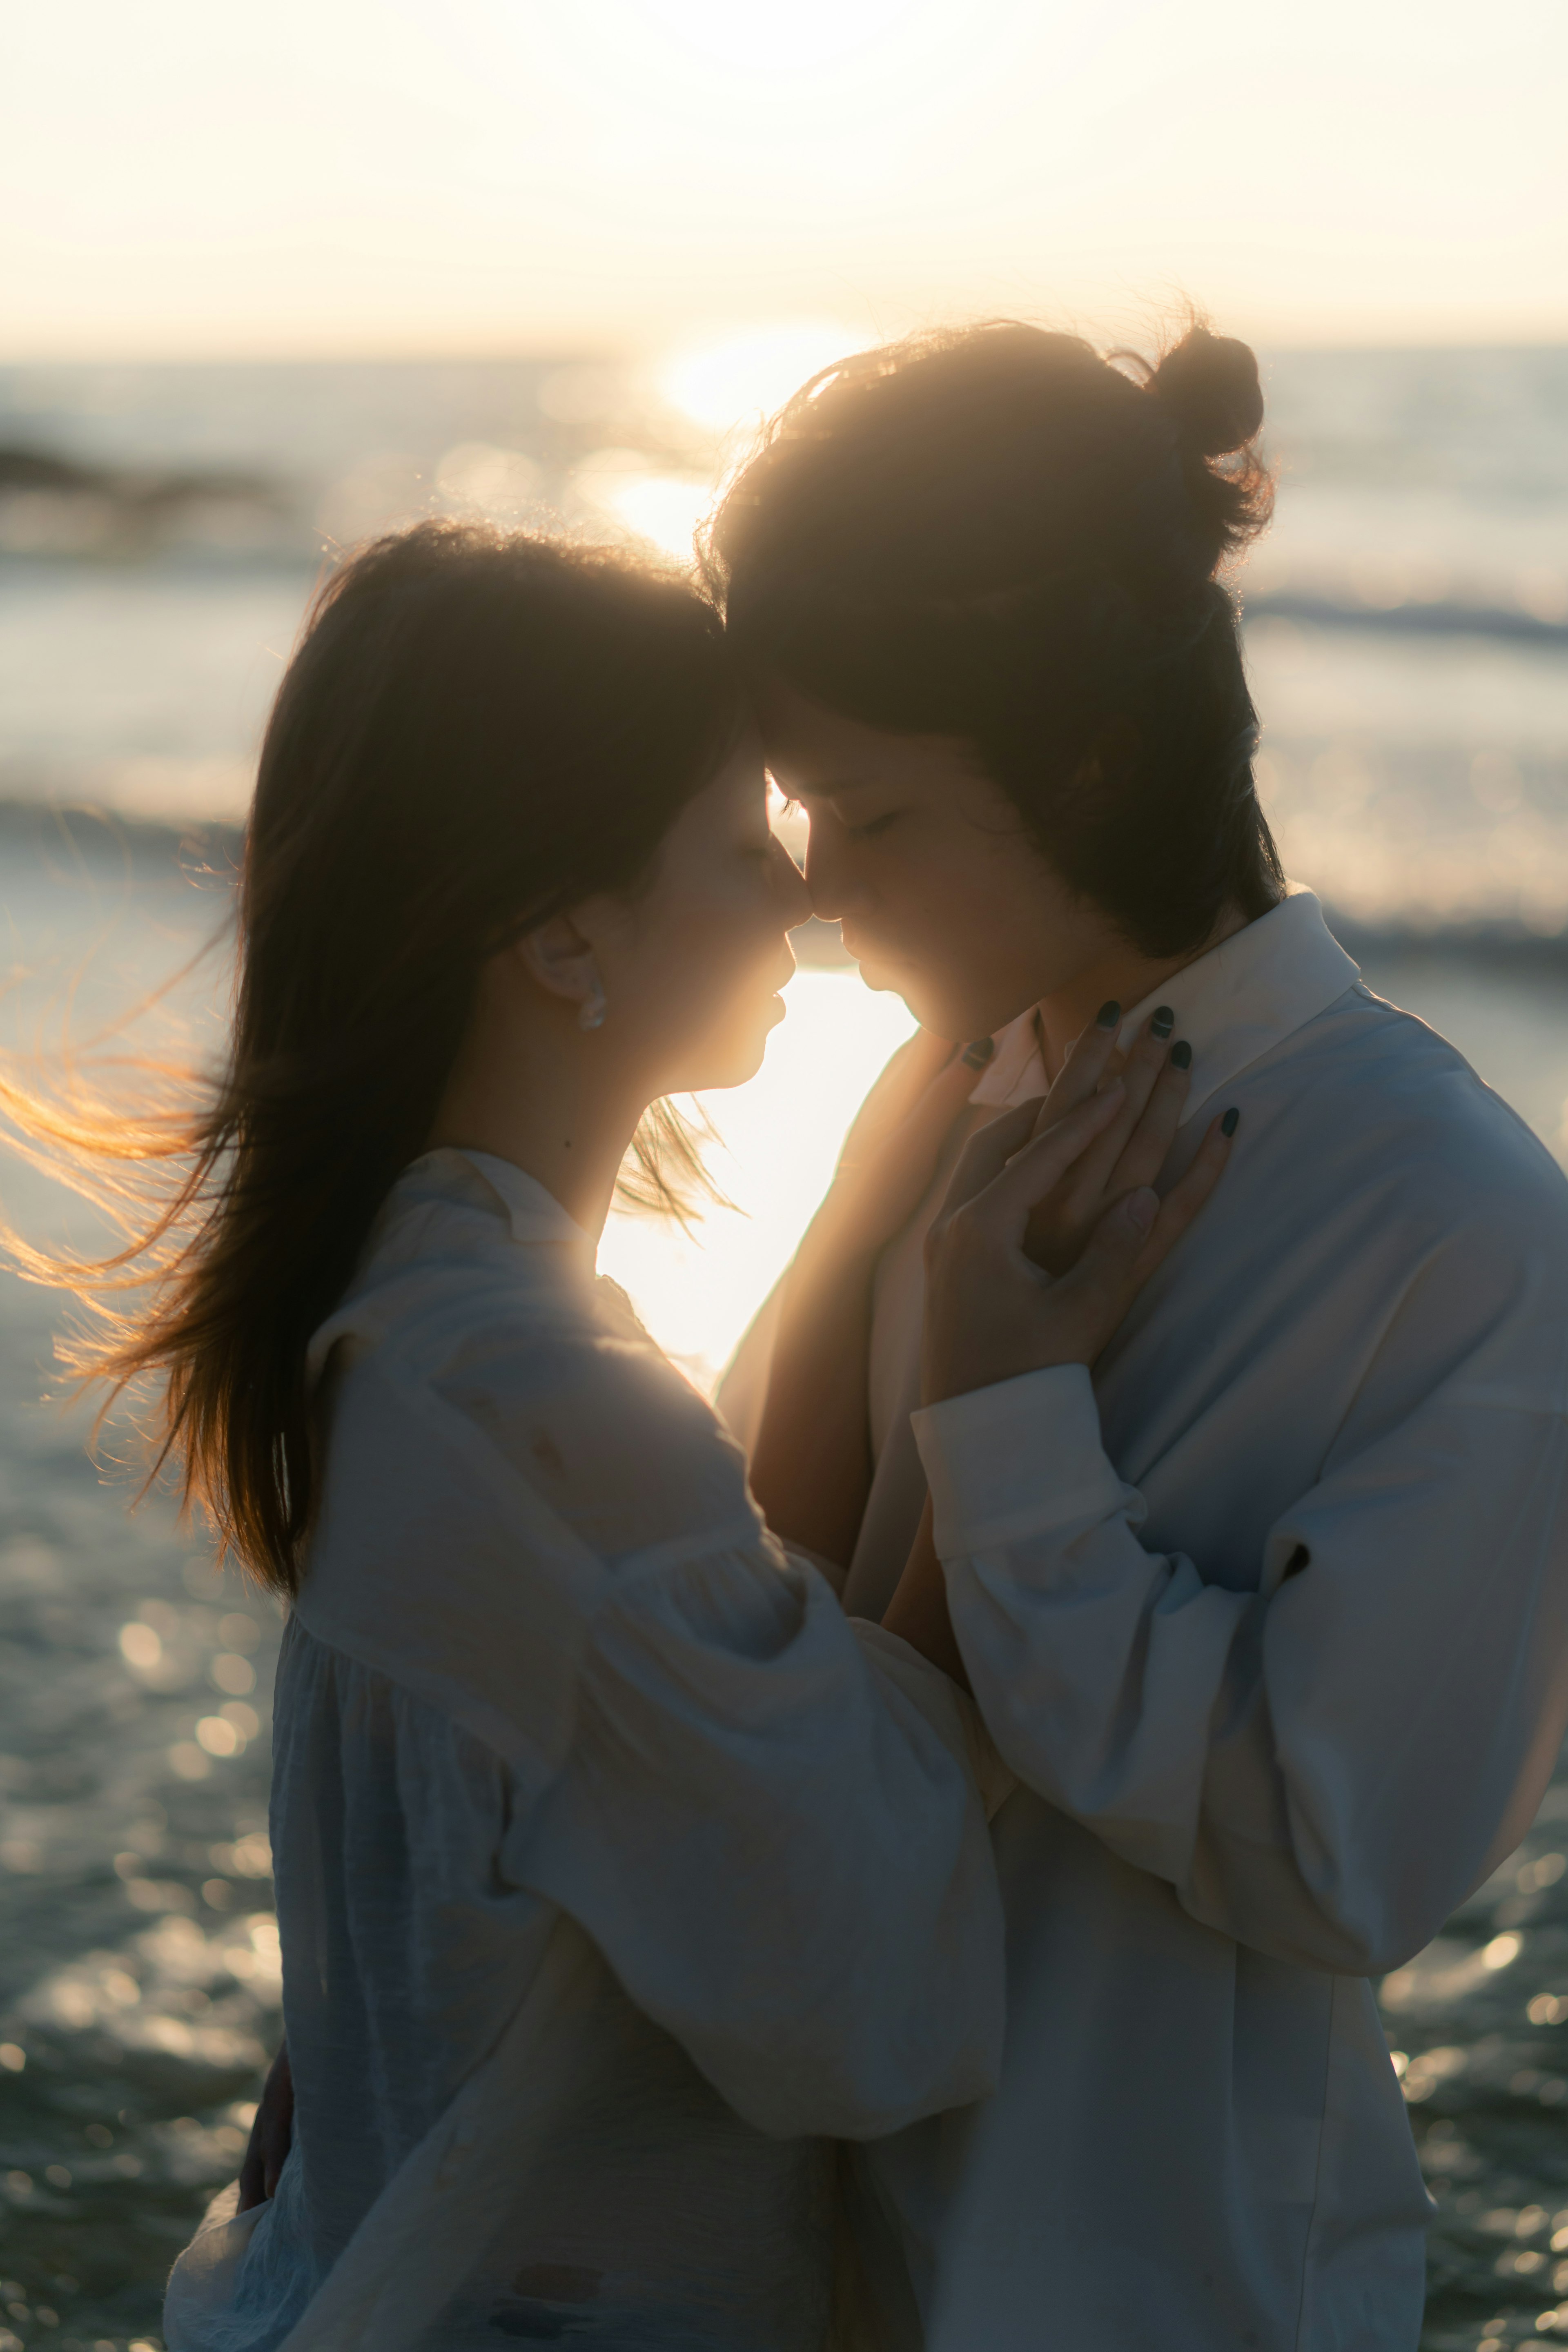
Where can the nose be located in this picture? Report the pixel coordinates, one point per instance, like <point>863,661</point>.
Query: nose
<point>824,875</point>
<point>791,884</point>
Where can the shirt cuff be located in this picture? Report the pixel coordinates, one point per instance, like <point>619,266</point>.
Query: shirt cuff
<point>1016,1459</point>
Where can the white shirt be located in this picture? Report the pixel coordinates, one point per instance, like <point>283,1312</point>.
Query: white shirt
<point>616,1871</point>
<point>1270,1617</point>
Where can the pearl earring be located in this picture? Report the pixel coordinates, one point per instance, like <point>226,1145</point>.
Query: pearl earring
<point>593,1009</point>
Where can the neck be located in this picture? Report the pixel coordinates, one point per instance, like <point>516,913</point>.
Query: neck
<point>1120,975</point>
<point>551,1104</point>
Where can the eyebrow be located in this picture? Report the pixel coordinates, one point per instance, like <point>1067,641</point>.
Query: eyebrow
<point>832,791</point>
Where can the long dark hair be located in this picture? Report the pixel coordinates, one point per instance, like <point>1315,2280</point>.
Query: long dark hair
<point>476,730</point>
<point>996,533</point>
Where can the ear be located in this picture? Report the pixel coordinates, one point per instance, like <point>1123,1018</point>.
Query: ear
<point>560,959</point>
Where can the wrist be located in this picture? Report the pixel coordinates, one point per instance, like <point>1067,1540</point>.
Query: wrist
<point>954,1371</point>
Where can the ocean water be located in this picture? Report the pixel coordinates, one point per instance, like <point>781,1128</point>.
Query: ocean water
<point>160,531</point>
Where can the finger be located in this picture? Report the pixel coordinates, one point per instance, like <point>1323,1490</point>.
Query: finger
<point>945,1096</point>
<point>1149,1145</point>
<point>1040,1164</point>
<point>1090,1182</point>
<point>989,1150</point>
<point>1108,1264</point>
<point>1090,1057</point>
<point>1186,1198</point>
<point>1089,1302</point>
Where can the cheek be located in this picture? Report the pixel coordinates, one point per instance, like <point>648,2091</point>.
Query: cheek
<point>715,939</point>
<point>929,902</point>
<point>960,937</point>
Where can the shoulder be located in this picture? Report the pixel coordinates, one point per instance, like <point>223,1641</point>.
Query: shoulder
<point>468,1358</point>
<point>605,1429</point>
<point>1406,1123</point>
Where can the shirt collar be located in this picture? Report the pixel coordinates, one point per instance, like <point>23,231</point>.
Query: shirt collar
<point>533,1215</point>
<point>1233,1006</point>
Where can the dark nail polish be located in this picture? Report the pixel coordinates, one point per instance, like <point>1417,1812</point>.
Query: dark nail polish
<point>1108,1015</point>
<point>1230,1122</point>
<point>975,1056</point>
<point>1161,1021</point>
<point>1181,1054</point>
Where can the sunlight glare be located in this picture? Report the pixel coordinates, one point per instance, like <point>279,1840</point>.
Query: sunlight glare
<point>807,33</point>
<point>780,1138</point>
<point>664,509</point>
<point>739,381</point>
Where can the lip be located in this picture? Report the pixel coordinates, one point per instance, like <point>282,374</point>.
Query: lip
<point>861,949</point>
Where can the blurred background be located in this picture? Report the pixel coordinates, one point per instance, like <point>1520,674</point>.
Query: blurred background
<point>272,280</point>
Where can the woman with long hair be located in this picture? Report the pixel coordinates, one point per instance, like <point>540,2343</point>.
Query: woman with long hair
<point>615,1871</point>
<point>1269,1616</point>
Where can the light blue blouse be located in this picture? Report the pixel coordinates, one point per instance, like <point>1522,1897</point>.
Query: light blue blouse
<point>618,1873</point>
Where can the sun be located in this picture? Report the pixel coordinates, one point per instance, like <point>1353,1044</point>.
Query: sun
<point>747,376</point>
<point>807,34</point>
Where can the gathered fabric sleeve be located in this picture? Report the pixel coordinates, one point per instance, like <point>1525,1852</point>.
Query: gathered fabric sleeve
<point>769,1825</point>
<point>768,1821</point>
<point>1324,1767</point>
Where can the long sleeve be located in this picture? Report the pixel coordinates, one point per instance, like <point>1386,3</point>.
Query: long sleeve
<point>771,1826</point>
<point>1324,1766</point>
<point>768,1826</point>
<point>616,1870</point>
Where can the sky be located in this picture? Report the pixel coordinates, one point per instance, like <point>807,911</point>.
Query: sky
<point>193,178</point>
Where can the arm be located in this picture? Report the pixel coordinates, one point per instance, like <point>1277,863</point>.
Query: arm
<point>919,1612</point>
<point>811,1461</point>
<point>1325,1768</point>
<point>1070,1183</point>
<point>810,1456</point>
<point>775,1838</point>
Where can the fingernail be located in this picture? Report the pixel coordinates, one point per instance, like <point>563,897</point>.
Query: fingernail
<point>1161,1021</point>
<point>1107,1016</point>
<point>1231,1121</point>
<point>975,1056</point>
<point>1181,1054</point>
<point>1142,1207</point>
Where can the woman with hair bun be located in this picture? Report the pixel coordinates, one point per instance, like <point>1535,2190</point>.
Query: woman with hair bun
<point>1266,1611</point>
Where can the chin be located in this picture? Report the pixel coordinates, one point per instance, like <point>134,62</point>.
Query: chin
<point>739,1058</point>
<point>921,992</point>
<point>936,1011</point>
<point>948,1005</point>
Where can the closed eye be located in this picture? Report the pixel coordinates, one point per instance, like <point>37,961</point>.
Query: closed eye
<point>872,827</point>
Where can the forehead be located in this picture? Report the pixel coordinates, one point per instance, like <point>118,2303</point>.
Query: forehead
<point>818,754</point>
<point>742,770</point>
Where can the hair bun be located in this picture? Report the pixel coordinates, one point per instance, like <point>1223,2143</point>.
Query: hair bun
<point>1209,385</point>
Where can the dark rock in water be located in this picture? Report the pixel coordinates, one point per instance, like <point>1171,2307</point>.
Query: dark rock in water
<point>53,505</point>
<point>1412,616</point>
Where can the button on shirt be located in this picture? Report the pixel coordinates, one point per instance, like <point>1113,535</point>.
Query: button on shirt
<point>1269,1619</point>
